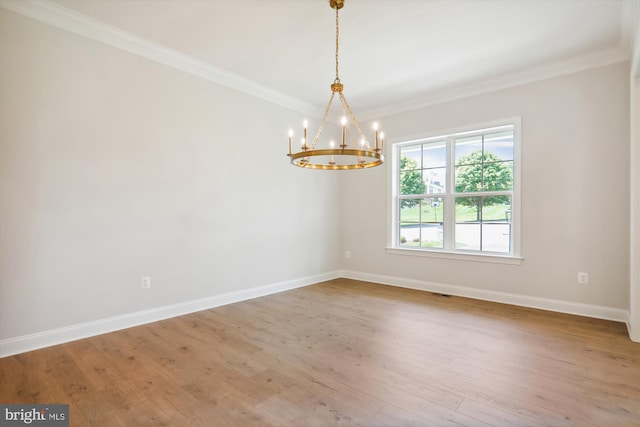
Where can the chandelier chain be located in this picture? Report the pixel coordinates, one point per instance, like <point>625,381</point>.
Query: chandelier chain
<point>344,103</point>
<point>337,80</point>
<point>324,118</point>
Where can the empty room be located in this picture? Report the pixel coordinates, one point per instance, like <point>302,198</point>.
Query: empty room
<point>320,212</point>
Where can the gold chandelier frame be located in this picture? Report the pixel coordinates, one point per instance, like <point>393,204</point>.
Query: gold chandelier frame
<point>348,155</point>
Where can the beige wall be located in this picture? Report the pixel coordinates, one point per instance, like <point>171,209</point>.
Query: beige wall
<point>113,167</point>
<point>575,192</point>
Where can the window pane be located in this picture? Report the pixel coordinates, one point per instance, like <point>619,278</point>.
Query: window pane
<point>411,182</point>
<point>434,180</point>
<point>409,221</point>
<point>410,211</point>
<point>421,223</point>
<point>410,157</point>
<point>432,227</point>
<point>496,209</point>
<point>434,155</point>
<point>500,144</point>
<point>496,237</point>
<point>468,178</point>
<point>496,224</point>
<point>465,146</point>
<point>468,223</point>
<point>497,176</point>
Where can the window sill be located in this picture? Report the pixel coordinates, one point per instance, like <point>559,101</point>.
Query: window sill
<point>491,258</point>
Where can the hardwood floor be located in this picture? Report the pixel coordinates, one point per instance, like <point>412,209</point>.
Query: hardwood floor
<point>343,353</point>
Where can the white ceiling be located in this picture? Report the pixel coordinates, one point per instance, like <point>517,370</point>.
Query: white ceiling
<point>394,54</point>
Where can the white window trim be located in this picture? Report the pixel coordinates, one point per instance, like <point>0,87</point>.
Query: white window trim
<point>392,187</point>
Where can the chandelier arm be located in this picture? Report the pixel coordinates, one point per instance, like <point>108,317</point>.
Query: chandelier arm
<point>344,103</point>
<point>324,118</point>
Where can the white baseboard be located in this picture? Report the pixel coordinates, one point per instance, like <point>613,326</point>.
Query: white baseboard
<point>634,334</point>
<point>57,336</point>
<point>596,311</point>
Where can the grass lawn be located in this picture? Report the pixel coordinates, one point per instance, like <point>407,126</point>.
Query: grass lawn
<point>463,213</point>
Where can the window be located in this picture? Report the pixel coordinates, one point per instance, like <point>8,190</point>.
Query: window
<point>458,193</point>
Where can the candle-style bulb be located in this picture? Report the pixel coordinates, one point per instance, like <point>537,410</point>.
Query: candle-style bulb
<point>381,135</point>
<point>362,142</point>
<point>375,127</point>
<point>332,144</point>
<point>343,121</point>
<point>304,133</point>
<point>290,137</point>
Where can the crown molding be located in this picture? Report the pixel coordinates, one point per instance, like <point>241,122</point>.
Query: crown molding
<point>628,49</point>
<point>630,33</point>
<point>504,81</point>
<point>66,19</point>
<point>629,23</point>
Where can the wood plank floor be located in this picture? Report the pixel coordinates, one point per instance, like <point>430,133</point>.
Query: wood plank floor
<point>343,353</point>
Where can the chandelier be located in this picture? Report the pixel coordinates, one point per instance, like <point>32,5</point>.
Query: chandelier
<point>348,153</point>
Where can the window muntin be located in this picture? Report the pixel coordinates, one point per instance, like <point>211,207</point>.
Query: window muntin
<point>456,192</point>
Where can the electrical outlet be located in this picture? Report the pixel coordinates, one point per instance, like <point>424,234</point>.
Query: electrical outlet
<point>145,282</point>
<point>583,278</point>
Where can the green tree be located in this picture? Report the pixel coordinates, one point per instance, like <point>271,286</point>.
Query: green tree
<point>410,181</point>
<point>478,171</point>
